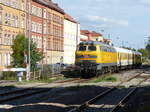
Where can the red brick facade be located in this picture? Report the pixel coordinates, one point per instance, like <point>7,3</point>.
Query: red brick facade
<point>47,25</point>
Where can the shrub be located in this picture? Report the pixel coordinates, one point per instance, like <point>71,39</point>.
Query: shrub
<point>9,76</point>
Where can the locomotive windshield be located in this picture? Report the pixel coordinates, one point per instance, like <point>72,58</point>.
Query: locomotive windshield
<point>92,48</point>
<point>82,48</point>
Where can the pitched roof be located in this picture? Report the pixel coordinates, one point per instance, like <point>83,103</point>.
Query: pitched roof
<point>50,4</point>
<point>96,34</point>
<point>68,17</point>
<point>84,32</point>
<point>93,33</point>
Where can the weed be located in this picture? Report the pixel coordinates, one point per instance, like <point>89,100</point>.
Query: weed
<point>104,78</point>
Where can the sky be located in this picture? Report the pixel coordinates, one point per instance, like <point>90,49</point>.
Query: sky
<point>125,22</point>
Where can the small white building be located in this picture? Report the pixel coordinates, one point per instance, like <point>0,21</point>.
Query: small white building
<point>71,39</point>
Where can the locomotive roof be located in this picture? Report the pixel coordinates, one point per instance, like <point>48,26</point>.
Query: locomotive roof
<point>94,43</point>
<point>118,49</point>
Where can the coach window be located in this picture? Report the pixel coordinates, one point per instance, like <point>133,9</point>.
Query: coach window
<point>82,48</point>
<point>92,48</point>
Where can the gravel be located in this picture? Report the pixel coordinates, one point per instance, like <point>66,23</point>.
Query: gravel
<point>64,98</point>
<point>108,102</point>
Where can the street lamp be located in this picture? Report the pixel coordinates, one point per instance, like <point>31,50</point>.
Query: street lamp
<point>28,65</point>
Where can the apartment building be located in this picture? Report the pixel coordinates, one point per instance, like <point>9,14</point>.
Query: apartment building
<point>71,38</point>
<point>12,21</point>
<point>47,29</point>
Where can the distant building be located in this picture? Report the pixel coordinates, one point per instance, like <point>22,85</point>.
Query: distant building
<point>47,20</point>
<point>12,22</point>
<point>46,28</point>
<point>86,35</point>
<point>71,39</point>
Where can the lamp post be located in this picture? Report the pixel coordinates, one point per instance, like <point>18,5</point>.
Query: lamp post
<point>28,65</point>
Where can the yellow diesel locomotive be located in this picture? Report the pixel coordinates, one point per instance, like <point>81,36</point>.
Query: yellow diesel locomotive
<point>93,58</point>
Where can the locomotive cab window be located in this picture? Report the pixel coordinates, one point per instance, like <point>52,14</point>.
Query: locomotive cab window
<point>92,48</point>
<point>82,48</point>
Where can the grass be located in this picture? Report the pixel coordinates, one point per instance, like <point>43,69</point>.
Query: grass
<point>45,80</point>
<point>104,78</point>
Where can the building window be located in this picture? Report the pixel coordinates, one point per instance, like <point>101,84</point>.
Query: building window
<point>23,23</point>
<point>8,56</point>
<point>9,39</point>
<point>9,16</point>
<point>39,12</point>
<point>40,28</point>
<point>34,27</point>
<point>5,59</point>
<point>5,39</point>
<point>16,21</point>
<point>45,28</point>
<point>44,13</point>
<point>34,10</point>
<point>6,16</point>
<point>22,5</point>
<point>34,39</point>
<point>13,21</point>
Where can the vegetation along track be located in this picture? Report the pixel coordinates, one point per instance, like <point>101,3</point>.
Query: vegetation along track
<point>111,99</point>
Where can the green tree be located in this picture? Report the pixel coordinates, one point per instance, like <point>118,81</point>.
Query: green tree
<point>20,51</point>
<point>148,47</point>
<point>145,54</point>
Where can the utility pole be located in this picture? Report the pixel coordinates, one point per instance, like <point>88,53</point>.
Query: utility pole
<point>109,36</point>
<point>28,65</point>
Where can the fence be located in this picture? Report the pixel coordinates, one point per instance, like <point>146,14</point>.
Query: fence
<point>46,71</point>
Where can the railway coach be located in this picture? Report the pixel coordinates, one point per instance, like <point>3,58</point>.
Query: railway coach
<point>93,58</point>
<point>124,58</point>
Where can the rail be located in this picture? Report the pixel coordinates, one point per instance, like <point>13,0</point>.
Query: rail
<point>101,95</point>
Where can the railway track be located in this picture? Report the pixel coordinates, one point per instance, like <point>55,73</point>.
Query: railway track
<point>6,81</point>
<point>110,100</point>
<point>26,92</point>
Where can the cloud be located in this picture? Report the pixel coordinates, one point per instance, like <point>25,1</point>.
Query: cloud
<point>108,20</point>
<point>104,26</point>
<point>145,1</point>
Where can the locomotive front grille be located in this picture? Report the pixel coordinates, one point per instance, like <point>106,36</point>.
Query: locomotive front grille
<point>88,64</point>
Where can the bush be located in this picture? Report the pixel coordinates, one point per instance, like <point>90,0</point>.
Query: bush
<point>46,72</point>
<point>9,76</point>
